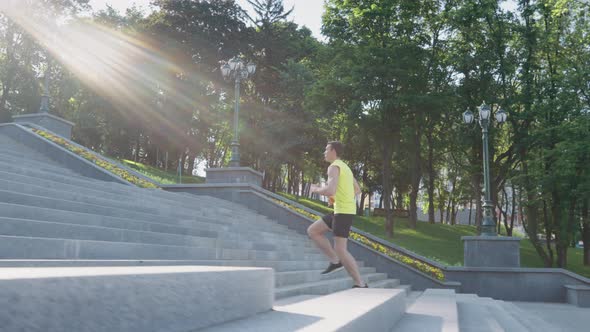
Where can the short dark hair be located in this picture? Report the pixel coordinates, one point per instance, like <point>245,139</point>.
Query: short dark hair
<point>337,146</point>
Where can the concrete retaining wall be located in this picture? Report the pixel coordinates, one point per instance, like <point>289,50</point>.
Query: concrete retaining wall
<point>516,284</point>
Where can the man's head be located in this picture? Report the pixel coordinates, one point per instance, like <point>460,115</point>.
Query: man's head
<point>333,151</point>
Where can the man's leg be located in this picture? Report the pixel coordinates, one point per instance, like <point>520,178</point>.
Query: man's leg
<point>340,246</point>
<point>316,232</point>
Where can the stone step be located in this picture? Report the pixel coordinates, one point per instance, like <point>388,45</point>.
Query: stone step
<point>349,310</point>
<point>412,297</point>
<point>7,139</point>
<point>18,150</point>
<point>13,181</point>
<point>324,286</point>
<point>203,230</point>
<point>164,298</point>
<point>530,321</point>
<point>119,191</point>
<point>473,317</point>
<point>97,199</point>
<point>48,170</point>
<point>386,283</point>
<point>507,321</point>
<point>435,310</point>
<point>279,266</point>
<point>406,288</point>
<point>284,279</point>
<point>106,187</point>
<point>153,206</point>
<point>82,187</point>
<point>15,247</point>
<point>74,206</point>
<point>45,229</point>
<point>65,205</point>
<point>10,158</point>
<point>187,199</point>
<point>22,151</point>
<point>76,196</point>
<point>483,314</point>
<point>80,180</point>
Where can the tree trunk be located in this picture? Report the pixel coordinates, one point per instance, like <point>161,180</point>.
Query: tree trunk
<point>296,174</point>
<point>265,181</point>
<point>499,224</point>
<point>448,214</point>
<point>289,187</point>
<point>431,176</point>
<point>360,211</point>
<point>548,232</point>
<point>191,164</point>
<point>158,157</point>
<point>387,154</point>
<point>180,164</point>
<point>586,232</point>
<point>166,162</point>
<point>5,115</point>
<point>441,208</point>
<point>413,208</point>
<point>360,208</point>
<point>530,221</point>
<point>416,173</point>
<point>453,213</point>
<point>571,221</point>
<point>399,200</point>
<point>504,212</point>
<point>470,210</point>
<point>510,228</point>
<point>303,184</point>
<point>137,146</point>
<point>7,81</point>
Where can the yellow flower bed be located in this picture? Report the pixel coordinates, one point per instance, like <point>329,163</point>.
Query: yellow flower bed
<point>428,269</point>
<point>96,160</point>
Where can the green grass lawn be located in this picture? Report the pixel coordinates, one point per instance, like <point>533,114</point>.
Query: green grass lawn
<point>163,177</point>
<point>440,242</point>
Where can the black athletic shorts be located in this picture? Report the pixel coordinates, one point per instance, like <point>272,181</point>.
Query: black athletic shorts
<point>339,223</point>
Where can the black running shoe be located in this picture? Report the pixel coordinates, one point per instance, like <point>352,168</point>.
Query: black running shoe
<point>357,286</point>
<point>333,268</point>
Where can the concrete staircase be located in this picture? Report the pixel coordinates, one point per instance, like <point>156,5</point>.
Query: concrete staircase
<point>57,225</point>
<point>443,310</point>
<point>78,254</point>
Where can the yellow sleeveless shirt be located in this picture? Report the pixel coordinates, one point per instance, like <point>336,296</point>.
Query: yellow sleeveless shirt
<point>345,202</point>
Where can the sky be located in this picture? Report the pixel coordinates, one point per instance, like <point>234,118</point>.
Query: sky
<point>306,12</point>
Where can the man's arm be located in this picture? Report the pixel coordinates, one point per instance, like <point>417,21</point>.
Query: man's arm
<point>330,188</point>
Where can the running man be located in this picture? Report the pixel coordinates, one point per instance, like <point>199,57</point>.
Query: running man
<point>341,189</point>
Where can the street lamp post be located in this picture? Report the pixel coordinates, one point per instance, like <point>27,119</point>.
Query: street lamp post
<point>238,70</point>
<point>488,227</point>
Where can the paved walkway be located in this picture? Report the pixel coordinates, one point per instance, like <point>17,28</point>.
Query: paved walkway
<point>566,317</point>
